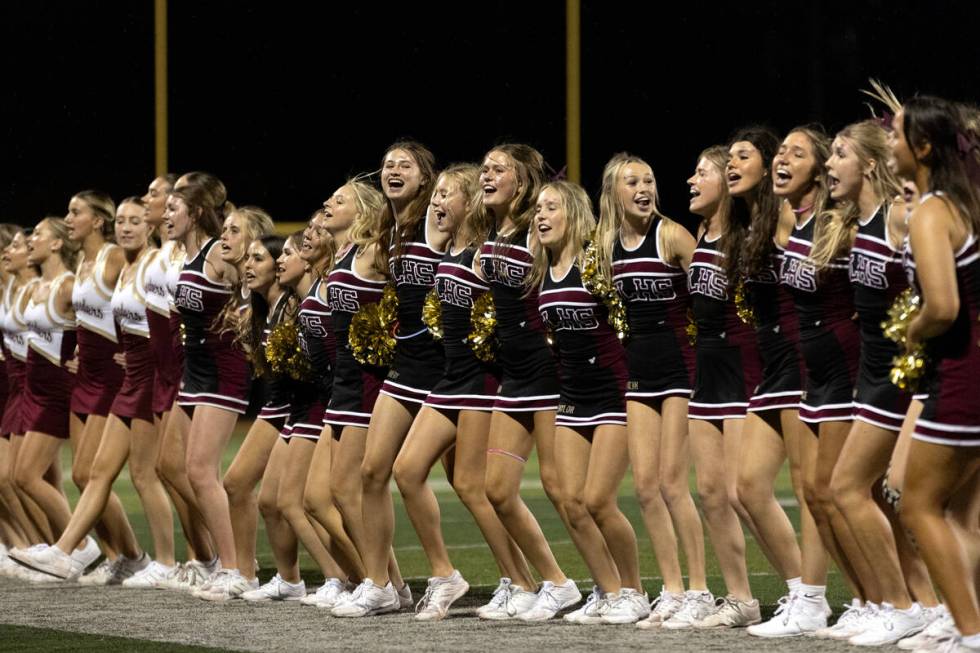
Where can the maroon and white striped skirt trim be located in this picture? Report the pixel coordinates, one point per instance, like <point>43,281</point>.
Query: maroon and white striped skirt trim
<point>618,419</point>
<point>878,417</point>
<point>775,401</point>
<point>951,435</point>
<point>404,392</point>
<point>207,399</point>
<point>826,413</point>
<point>461,402</point>
<point>346,418</point>
<point>733,410</point>
<point>526,404</point>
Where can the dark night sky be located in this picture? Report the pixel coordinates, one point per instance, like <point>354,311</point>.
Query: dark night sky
<point>283,102</point>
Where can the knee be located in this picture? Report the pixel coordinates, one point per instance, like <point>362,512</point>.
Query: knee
<point>552,488</point>
<point>168,470</point>
<point>714,497</point>
<point>751,493</point>
<point>237,489</point>
<point>819,499</point>
<point>317,501</point>
<point>407,479</point>
<point>649,493</point>
<point>200,476</point>
<point>374,477</point>
<point>80,477</point>
<point>577,512</point>
<point>600,508</point>
<point>267,505</point>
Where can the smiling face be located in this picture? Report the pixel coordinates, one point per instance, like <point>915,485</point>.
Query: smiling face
<point>448,205</point>
<point>316,240</point>
<point>14,257</point>
<point>845,170</point>
<point>636,190</point>
<point>155,201</point>
<point>401,176</point>
<point>290,267</point>
<point>42,243</point>
<point>340,211</point>
<point>260,268</point>
<point>81,220</point>
<point>707,186</point>
<point>550,220</point>
<point>745,170</point>
<point>132,228</point>
<point>499,181</point>
<point>794,166</point>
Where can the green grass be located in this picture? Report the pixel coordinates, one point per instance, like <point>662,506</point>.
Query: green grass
<point>471,555</point>
<point>14,639</point>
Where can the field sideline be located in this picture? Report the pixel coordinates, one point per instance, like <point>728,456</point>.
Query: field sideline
<point>467,548</point>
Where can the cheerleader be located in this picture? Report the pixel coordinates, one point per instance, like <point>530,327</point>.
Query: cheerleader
<point>455,418</point>
<point>647,256</point>
<point>407,176</point>
<point>129,433</point>
<point>591,448</point>
<point>727,372</point>
<point>216,377</point>
<point>357,279</point>
<point>318,339</point>
<point>932,146</point>
<point>244,226</point>
<point>16,527</point>
<point>862,185</point>
<point>98,372</point>
<point>772,431</point>
<point>524,411</point>
<point>48,383</point>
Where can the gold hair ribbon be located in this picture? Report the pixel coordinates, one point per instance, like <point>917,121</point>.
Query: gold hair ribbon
<point>371,336</point>
<point>432,314</point>
<point>909,367</point>
<point>692,328</point>
<point>597,284</point>
<point>742,307</point>
<point>284,353</point>
<point>483,318</point>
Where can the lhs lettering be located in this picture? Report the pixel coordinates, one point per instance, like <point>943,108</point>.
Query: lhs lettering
<point>455,293</point>
<point>343,299</point>
<point>799,274</point>
<point>574,319</point>
<point>868,272</point>
<point>646,289</point>
<point>415,273</point>
<point>190,298</point>
<point>708,282</point>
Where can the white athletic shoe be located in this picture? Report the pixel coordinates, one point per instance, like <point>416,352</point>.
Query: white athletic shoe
<point>405,600</point>
<point>225,585</point>
<point>890,625</point>
<point>368,599</point>
<point>663,608</point>
<point>627,607</point>
<point>551,600</point>
<point>507,602</point>
<point>955,645</point>
<point>796,615</point>
<point>86,554</point>
<point>9,567</point>
<point>194,574</point>
<point>98,576</point>
<point>50,560</point>
<point>149,576</point>
<point>851,622</point>
<point>169,579</point>
<point>276,589</point>
<point>698,605</point>
<point>940,627</point>
<point>327,595</point>
<point>441,592</point>
<point>591,611</point>
<point>732,613</point>
<point>38,577</point>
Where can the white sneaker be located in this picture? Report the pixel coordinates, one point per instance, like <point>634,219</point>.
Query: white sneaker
<point>225,585</point>
<point>441,592</point>
<point>551,600</point>
<point>627,607</point>
<point>276,589</point>
<point>169,580</point>
<point>88,553</point>
<point>890,625</point>
<point>50,560</point>
<point>940,627</point>
<point>796,615</point>
<point>852,622</point>
<point>368,599</point>
<point>9,567</point>
<point>327,595</point>
<point>194,574</point>
<point>732,613</point>
<point>100,575</point>
<point>698,604</point>
<point>35,576</point>
<point>663,608</point>
<point>591,611</point>
<point>507,602</point>
<point>149,576</point>
<point>955,645</point>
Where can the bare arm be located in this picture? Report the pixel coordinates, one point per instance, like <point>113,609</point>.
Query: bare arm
<point>934,231</point>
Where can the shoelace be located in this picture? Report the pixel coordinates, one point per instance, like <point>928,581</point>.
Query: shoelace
<point>851,613</point>
<point>424,601</point>
<point>785,607</point>
<point>663,603</point>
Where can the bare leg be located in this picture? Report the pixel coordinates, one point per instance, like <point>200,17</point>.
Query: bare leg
<point>210,431</point>
<point>143,454</point>
<point>282,539</point>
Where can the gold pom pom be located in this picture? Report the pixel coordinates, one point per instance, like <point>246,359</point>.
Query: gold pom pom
<point>692,328</point>
<point>371,336</point>
<point>600,287</point>
<point>483,318</point>
<point>183,334</point>
<point>284,354</point>
<point>908,368</point>
<point>432,314</point>
<point>742,307</point>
